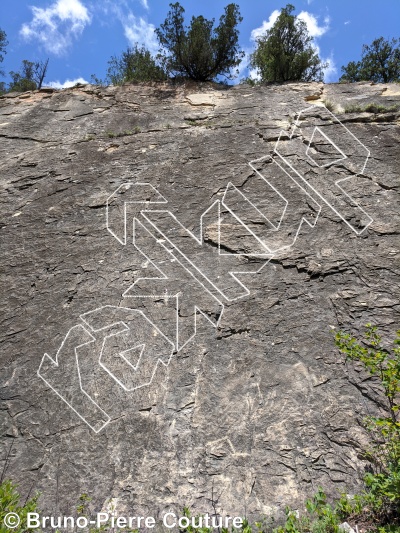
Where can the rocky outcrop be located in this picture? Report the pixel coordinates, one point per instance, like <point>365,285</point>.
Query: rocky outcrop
<point>198,388</point>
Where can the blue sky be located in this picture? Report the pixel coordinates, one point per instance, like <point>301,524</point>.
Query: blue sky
<point>79,36</point>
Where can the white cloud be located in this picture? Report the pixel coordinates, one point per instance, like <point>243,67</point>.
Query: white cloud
<point>66,84</point>
<point>57,25</point>
<point>330,72</point>
<point>137,30</point>
<point>347,22</point>
<point>240,71</point>
<point>266,25</point>
<point>316,31</point>
<point>312,24</point>
<point>254,74</point>
<point>311,21</point>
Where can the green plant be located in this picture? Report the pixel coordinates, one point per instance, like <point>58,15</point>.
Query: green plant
<point>380,62</point>
<point>353,108</point>
<point>286,52</point>
<point>30,76</point>
<point>134,65</point>
<point>3,46</point>
<point>383,482</point>
<point>246,526</point>
<point>249,81</point>
<point>200,51</point>
<point>82,509</point>
<point>371,108</point>
<point>84,500</point>
<point>10,502</point>
<point>330,106</point>
<point>320,517</point>
<point>264,524</point>
<point>192,122</point>
<point>379,108</point>
<point>94,80</point>
<point>191,528</point>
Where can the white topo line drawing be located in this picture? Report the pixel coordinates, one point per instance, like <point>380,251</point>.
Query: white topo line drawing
<point>194,278</point>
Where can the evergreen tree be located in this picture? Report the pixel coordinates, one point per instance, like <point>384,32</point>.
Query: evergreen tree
<point>286,51</point>
<point>135,64</point>
<point>29,77</point>
<point>3,45</point>
<point>200,52</point>
<point>380,62</point>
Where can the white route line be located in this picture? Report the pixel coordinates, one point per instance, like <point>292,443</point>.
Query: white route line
<point>344,156</point>
<point>200,242</point>
<point>55,363</point>
<point>164,277</point>
<point>278,226</point>
<point>143,192</point>
<point>296,126</point>
<point>123,188</point>
<point>310,108</point>
<point>127,329</point>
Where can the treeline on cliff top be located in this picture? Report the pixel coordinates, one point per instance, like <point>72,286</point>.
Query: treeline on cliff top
<point>203,51</point>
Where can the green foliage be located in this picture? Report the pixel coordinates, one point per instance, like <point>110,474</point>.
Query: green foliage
<point>351,72</point>
<point>286,51</point>
<point>200,51</point>
<point>330,106</point>
<point>23,80</point>
<point>84,500</point>
<point>134,65</point>
<point>249,81</point>
<point>372,108</point>
<point>378,506</point>
<point>3,46</point>
<point>193,529</point>
<point>94,80</point>
<point>319,517</point>
<point>379,108</point>
<point>246,527</point>
<point>380,62</point>
<point>30,76</point>
<point>378,362</point>
<point>383,482</point>
<point>192,122</point>
<point>10,503</point>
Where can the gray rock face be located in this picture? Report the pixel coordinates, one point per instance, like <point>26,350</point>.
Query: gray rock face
<point>168,380</point>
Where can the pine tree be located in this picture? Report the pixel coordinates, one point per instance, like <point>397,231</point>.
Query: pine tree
<point>200,52</point>
<point>135,64</point>
<point>380,62</point>
<point>30,76</point>
<point>3,46</point>
<point>286,51</point>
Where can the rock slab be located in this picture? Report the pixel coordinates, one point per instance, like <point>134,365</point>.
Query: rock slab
<point>168,381</point>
